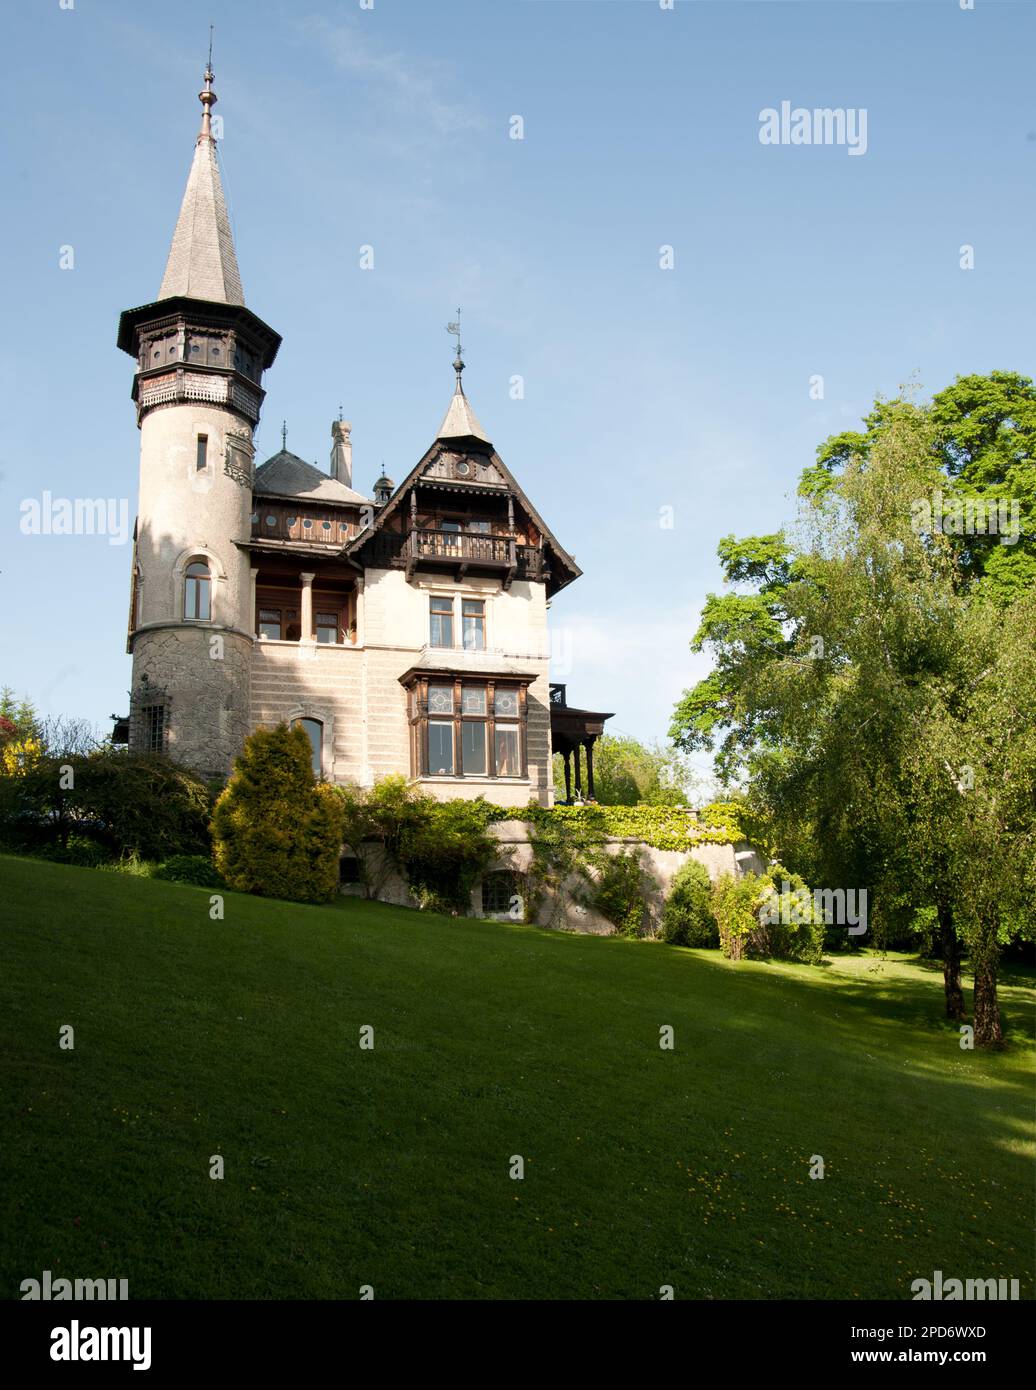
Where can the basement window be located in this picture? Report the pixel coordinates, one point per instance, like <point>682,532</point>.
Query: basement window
<point>499,891</point>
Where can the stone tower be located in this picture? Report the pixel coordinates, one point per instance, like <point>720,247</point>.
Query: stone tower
<point>200,358</point>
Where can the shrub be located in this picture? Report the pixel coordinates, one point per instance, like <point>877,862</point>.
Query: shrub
<point>688,918</point>
<point>618,892</point>
<point>79,850</point>
<point>387,814</point>
<point>788,925</point>
<point>276,831</point>
<point>735,902</point>
<point>133,865</point>
<point>131,804</point>
<point>197,869</point>
<point>757,918</point>
<point>446,852</point>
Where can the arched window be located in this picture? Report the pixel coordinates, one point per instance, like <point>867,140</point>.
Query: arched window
<point>315,733</point>
<point>197,592</point>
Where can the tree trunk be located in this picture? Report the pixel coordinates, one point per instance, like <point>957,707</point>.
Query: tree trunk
<point>988,1032</point>
<point>950,963</point>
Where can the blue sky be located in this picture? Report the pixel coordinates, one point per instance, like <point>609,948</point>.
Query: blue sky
<point>644,388</point>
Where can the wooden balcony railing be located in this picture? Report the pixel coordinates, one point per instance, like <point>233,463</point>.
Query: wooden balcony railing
<point>471,546</point>
<point>463,550</point>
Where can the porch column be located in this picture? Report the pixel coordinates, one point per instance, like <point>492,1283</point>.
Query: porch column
<point>359,610</point>
<point>567,756</point>
<point>579,776</point>
<point>307,607</point>
<point>590,770</point>
<point>254,622</point>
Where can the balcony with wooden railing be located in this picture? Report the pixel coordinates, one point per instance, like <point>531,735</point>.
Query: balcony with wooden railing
<point>461,551</point>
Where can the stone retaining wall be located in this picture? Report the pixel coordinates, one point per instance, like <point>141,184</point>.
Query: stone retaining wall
<point>562,910</point>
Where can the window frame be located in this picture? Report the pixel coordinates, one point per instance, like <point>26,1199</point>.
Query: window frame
<point>505,882</point>
<point>423,717</point>
<point>194,587</point>
<point>317,760</point>
<point>481,623</point>
<point>154,728</point>
<point>336,621</point>
<point>443,614</point>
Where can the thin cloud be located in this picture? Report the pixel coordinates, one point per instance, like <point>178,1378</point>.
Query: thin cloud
<point>413,90</point>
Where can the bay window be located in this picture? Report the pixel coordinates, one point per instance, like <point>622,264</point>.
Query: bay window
<point>465,728</point>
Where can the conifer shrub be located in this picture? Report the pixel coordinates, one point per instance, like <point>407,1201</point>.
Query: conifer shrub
<point>688,918</point>
<point>277,831</point>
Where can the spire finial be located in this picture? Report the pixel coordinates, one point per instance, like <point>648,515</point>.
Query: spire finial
<point>207,97</point>
<point>458,362</point>
<point>284,435</point>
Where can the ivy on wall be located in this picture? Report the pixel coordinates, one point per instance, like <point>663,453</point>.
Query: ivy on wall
<point>661,827</point>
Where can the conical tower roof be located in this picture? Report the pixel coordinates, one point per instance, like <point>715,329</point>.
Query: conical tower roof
<point>202,262</point>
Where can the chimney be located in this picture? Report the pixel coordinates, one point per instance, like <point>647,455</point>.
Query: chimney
<point>342,452</point>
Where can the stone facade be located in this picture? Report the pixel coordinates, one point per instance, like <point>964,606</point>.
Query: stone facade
<point>199,676</point>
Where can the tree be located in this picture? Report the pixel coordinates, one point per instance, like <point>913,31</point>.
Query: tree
<point>629,773</point>
<point>984,443</point>
<point>847,684</point>
<point>276,830</point>
<point>17,716</point>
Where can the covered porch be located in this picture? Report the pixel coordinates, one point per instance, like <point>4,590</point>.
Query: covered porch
<point>573,733</point>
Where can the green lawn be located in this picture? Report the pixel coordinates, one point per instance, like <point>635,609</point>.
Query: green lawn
<point>389,1167</point>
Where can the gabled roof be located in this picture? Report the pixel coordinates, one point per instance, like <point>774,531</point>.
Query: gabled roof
<point>286,475</point>
<point>483,449</point>
<point>202,262</point>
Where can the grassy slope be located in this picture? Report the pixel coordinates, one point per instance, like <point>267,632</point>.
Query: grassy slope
<point>390,1167</point>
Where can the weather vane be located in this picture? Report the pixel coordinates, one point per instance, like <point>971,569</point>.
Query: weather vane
<point>454,328</point>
